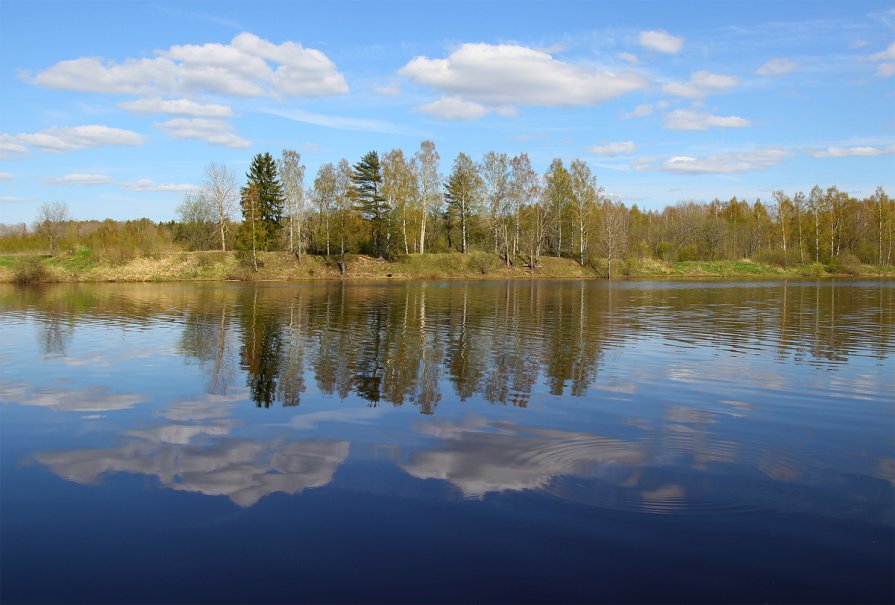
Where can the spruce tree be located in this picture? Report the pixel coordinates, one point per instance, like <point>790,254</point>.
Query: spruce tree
<point>368,178</point>
<point>270,200</point>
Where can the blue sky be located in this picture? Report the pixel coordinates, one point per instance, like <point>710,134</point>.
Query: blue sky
<point>116,107</point>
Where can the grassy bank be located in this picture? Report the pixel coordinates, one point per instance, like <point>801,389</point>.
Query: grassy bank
<point>83,266</point>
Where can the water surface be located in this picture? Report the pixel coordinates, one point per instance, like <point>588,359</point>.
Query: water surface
<point>448,441</point>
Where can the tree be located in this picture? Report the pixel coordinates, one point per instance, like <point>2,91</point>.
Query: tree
<point>292,173</point>
<point>399,187</point>
<point>346,194</point>
<point>463,190</point>
<point>524,190</point>
<point>220,188</point>
<point>52,218</point>
<point>268,209</point>
<point>583,187</point>
<point>429,186</point>
<point>613,231</point>
<point>326,196</point>
<point>495,172</point>
<point>197,221</point>
<point>558,195</point>
<point>250,210</point>
<point>367,177</point>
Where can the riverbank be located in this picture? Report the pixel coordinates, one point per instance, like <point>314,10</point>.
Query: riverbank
<point>83,266</point>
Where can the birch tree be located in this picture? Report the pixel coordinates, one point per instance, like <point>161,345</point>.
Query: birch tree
<point>430,197</point>
<point>583,186</point>
<point>292,176</point>
<point>221,188</point>
<point>495,171</point>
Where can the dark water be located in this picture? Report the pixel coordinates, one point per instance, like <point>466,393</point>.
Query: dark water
<point>445,442</point>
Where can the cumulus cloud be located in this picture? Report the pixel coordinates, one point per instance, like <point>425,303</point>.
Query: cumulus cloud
<point>701,84</point>
<point>844,152</point>
<point>614,149</point>
<point>79,179</point>
<point>75,138</point>
<point>776,67</point>
<point>214,132</point>
<point>5,176</point>
<point>661,41</point>
<point>177,107</point>
<point>499,77</point>
<point>247,66</point>
<point>150,185</point>
<point>453,108</point>
<point>640,111</point>
<point>722,164</point>
<point>686,119</point>
<point>11,147</point>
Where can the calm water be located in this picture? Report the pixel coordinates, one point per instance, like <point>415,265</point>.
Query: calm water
<point>488,441</point>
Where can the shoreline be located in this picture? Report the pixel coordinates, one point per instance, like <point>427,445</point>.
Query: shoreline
<point>282,267</point>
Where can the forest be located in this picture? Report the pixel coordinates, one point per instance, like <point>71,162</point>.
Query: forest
<point>392,205</point>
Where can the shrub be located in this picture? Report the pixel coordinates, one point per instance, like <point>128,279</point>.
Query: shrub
<point>30,271</point>
<point>846,262</point>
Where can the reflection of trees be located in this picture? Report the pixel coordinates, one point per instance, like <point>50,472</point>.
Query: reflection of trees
<point>415,342</point>
<point>262,349</point>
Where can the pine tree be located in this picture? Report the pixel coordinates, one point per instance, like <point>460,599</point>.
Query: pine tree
<point>367,178</point>
<point>270,200</point>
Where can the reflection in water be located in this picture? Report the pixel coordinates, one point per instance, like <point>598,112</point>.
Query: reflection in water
<point>175,453</point>
<point>741,432</point>
<point>480,457</point>
<point>495,340</point>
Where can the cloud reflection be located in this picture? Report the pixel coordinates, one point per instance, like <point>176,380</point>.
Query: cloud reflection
<point>480,456</point>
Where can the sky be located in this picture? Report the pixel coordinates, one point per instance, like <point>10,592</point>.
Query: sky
<point>116,108</point>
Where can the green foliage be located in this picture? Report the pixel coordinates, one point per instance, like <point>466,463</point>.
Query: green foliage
<point>30,270</point>
<point>367,178</point>
<point>265,207</point>
<point>846,262</point>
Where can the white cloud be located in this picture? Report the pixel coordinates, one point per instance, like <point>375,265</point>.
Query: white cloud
<point>661,41</point>
<point>389,90</point>
<point>499,77</point>
<point>80,179</point>
<point>177,107</point>
<point>339,122</point>
<point>628,58</point>
<point>640,111</point>
<point>613,149</point>
<point>723,164</point>
<point>5,176</point>
<point>247,66</point>
<point>214,132</point>
<point>844,152</point>
<point>11,147</point>
<point>144,185</point>
<point>701,83</point>
<point>776,67</point>
<point>61,140</point>
<point>886,55</point>
<point>685,119</point>
<point>885,69</point>
<point>453,108</point>
<point>10,199</point>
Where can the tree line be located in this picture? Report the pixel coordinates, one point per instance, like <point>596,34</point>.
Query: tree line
<point>391,204</point>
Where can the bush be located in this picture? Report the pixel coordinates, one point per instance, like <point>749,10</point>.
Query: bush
<point>812,270</point>
<point>30,271</point>
<point>846,262</point>
<point>770,256</point>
